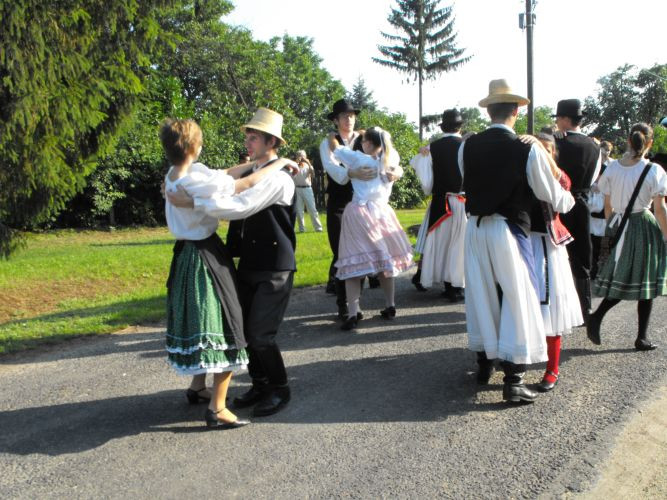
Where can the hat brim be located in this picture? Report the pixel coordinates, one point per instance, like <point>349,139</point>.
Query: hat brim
<point>256,126</point>
<point>333,115</point>
<point>504,99</point>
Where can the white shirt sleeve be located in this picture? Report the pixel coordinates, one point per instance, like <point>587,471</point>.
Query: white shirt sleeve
<point>337,172</point>
<point>544,184</point>
<point>460,157</point>
<point>276,189</point>
<point>353,159</point>
<point>204,182</point>
<point>423,166</point>
<point>395,163</point>
<point>598,167</point>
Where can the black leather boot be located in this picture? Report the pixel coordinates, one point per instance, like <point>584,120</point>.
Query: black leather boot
<point>416,281</point>
<point>486,368</point>
<point>274,400</point>
<point>252,395</point>
<point>515,390</point>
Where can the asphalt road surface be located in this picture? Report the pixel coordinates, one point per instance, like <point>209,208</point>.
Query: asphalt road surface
<point>391,410</point>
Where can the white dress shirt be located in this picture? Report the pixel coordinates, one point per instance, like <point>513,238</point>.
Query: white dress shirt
<point>337,172</point>
<point>540,178</point>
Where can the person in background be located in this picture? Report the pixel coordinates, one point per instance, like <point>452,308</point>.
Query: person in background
<point>596,206</point>
<point>304,193</point>
<point>636,268</point>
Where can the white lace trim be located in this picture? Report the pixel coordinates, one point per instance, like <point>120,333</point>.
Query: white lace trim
<point>208,368</point>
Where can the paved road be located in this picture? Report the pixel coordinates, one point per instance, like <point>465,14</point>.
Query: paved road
<point>390,411</point>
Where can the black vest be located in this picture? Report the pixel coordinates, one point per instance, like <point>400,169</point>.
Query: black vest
<point>265,241</point>
<point>446,174</point>
<point>495,180</point>
<point>578,156</point>
<point>537,223</point>
<point>339,195</point>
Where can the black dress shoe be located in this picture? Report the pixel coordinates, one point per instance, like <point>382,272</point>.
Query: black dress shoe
<point>272,402</point>
<point>544,385</point>
<point>485,372</point>
<point>593,329</point>
<point>212,421</point>
<point>388,312</point>
<point>416,281</point>
<point>645,345</point>
<point>250,397</point>
<point>194,397</point>
<point>350,323</point>
<point>518,393</point>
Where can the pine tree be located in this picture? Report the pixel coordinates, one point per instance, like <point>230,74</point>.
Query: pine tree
<point>361,97</point>
<point>427,46</point>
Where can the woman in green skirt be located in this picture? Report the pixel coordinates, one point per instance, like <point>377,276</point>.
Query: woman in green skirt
<point>204,319</point>
<point>637,266</point>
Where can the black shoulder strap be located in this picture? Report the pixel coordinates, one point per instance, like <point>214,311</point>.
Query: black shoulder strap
<point>628,209</point>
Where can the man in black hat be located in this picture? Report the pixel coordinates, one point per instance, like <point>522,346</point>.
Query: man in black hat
<point>339,187</point>
<point>443,230</point>
<point>579,156</point>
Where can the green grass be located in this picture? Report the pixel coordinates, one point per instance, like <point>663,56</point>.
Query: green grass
<point>71,283</point>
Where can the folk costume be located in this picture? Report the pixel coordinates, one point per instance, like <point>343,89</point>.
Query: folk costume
<point>500,176</point>
<point>636,268</point>
<point>441,236</point>
<point>204,319</point>
<point>579,157</point>
<point>262,236</point>
<point>339,194</point>
<point>557,294</point>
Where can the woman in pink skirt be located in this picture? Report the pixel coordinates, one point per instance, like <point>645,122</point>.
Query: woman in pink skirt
<point>372,242</point>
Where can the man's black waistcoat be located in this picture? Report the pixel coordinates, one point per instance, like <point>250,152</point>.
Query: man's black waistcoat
<point>265,241</point>
<point>495,180</point>
<point>578,156</point>
<point>446,174</point>
<point>339,195</point>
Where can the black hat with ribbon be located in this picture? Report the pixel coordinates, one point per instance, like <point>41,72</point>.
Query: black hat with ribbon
<point>451,118</point>
<point>342,106</point>
<point>570,108</point>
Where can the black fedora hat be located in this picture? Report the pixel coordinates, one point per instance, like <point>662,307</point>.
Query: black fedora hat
<point>570,108</point>
<point>342,106</point>
<point>451,117</point>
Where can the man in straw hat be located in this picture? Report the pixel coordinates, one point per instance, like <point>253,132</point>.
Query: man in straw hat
<point>262,235</point>
<point>339,187</point>
<point>579,157</point>
<point>500,175</point>
<point>442,234</point>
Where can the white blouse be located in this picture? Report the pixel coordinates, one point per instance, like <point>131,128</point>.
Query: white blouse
<point>618,182</point>
<point>200,182</point>
<point>376,189</point>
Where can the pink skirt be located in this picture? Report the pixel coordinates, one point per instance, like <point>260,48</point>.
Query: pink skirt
<point>372,241</point>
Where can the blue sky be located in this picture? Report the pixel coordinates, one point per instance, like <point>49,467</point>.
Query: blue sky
<point>576,42</point>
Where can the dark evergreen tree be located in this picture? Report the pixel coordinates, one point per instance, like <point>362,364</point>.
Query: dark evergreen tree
<point>361,97</point>
<point>426,46</point>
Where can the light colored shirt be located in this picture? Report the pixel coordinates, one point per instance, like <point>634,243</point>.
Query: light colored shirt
<point>618,182</point>
<point>302,177</point>
<point>376,189</point>
<point>276,188</point>
<point>423,166</point>
<point>337,171</point>
<point>540,178</point>
<point>200,182</point>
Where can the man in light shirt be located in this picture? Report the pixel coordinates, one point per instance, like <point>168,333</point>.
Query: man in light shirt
<point>304,193</point>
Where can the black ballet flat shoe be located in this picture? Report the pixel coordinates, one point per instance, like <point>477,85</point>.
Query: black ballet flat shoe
<point>249,398</point>
<point>416,281</point>
<point>212,421</point>
<point>195,398</point>
<point>645,345</point>
<point>545,386</point>
<point>350,323</point>
<point>593,329</point>
<point>388,312</point>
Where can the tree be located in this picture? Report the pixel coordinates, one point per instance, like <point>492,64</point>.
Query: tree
<point>428,46</point>
<point>71,72</point>
<point>541,118</point>
<point>361,97</point>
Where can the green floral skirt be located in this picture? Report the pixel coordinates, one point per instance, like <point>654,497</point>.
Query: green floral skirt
<point>641,269</point>
<point>196,338</point>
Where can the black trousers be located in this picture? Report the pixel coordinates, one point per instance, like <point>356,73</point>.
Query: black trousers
<point>580,250</point>
<point>264,296</point>
<point>334,222</point>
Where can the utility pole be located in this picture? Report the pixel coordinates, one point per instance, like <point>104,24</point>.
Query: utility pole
<point>530,21</point>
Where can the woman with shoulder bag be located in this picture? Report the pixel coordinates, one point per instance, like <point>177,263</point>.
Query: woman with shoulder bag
<point>637,265</point>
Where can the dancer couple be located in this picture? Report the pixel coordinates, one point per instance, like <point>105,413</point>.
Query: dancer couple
<point>220,319</point>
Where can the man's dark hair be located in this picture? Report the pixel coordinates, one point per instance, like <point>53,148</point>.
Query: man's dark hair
<point>450,128</point>
<point>502,110</point>
<point>576,120</point>
<point>267,137</point>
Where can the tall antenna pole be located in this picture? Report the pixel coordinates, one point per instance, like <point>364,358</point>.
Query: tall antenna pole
<point>529,54</point>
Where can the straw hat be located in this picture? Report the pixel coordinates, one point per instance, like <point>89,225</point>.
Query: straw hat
<point>266,120</point>
<point>501,92</point>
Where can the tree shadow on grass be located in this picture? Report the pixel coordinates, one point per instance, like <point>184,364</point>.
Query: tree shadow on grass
<point>418,387</point>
